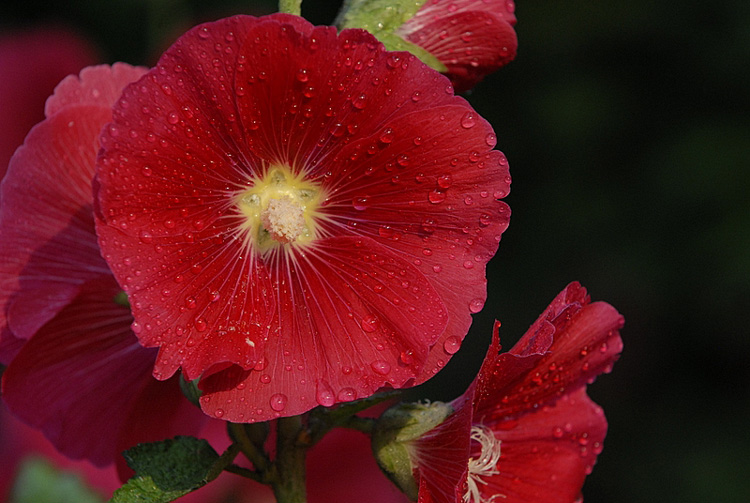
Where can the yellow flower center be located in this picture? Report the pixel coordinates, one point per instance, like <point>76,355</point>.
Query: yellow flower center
<point>280,208</point>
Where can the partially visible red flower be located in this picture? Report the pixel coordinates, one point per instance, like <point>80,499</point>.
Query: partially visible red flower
<point>525,430</point>
<point>298,216</point>
<point>472,38</point>
<point>75,369</point>
<point>32,62</point>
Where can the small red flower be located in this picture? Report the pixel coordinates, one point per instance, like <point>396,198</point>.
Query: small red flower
<point>525,430</point>
<point>473,38</point>
<point>298,216</point>
<point>75,369</point>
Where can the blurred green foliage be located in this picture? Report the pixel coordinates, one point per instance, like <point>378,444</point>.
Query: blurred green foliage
<point>40,482</point>
<point>627,127</point>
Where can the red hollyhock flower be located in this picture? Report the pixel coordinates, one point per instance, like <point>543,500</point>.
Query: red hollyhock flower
<point>75,369</point>
<point>298,216</point>
<point>525,430</point>
<point>473,38</point>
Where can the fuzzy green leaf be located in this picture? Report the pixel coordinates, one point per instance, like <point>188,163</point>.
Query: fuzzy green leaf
<point>167,470</point>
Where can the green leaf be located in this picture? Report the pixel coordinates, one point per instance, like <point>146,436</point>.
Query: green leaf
<point>167,470</point>
<point>39,481</point>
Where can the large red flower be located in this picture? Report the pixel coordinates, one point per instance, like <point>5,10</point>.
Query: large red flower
<point>298,216</point>
<point>75,369</point>
<point>472,38</point>
<point>526,431</point>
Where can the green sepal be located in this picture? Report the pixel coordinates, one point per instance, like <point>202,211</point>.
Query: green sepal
<point>393,434</point>
<point>191,390</point>
<point>383,18</point>
<point>38,481</point>
<point>167,470</point>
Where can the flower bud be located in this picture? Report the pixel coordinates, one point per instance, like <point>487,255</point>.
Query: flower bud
<point>394,433</point>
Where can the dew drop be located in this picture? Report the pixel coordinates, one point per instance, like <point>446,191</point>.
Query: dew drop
<point>172,118</point>
<point>360,203</point>
<point>325,396</point>
<point>490,139</point>
<point>219,413</point>
<point>302,75</point>
<point>387,135</point>
<point>452,344</point>
<point>436,196</point>
<point>407,357</point>
<point>476,305</point>
<point>468,264</point>
<point>370,323</point>
<point>278,401</point>
<point>445,181</point>
<point>360,102</point>
<point>265,378</point>
<point>381,367</point>
<point>346,395</point>
<point>146,237</point>
<point>469,120</point>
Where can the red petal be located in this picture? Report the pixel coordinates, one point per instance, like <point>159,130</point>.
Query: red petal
<point>48,245</point>
<point>341,468</point>
<point>567,347</point>
<point>354,310</point>
<point>80,373</point>
<point>547,453</point>
<point>442,458</point>
<point>95,85</point>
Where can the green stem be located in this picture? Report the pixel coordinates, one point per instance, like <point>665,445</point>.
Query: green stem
<point>289,468</point>
<point>239,434</point>
<point>223,462</point>
<point>363,424</point>
<point>291,7</point>
<point>244,472</point>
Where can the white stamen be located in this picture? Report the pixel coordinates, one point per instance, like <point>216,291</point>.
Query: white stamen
<point>483,466</point>
<point>283,219</point>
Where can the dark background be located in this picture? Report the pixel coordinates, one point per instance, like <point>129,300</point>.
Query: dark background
<point>627,127</point>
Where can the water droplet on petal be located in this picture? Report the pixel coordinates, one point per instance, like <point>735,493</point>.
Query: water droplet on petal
<point>370,323</point>
<point>476,305</point>
<point>469,120</point>
<point>436,196</point>
<point>278,401</point>
<point>325,396</point>
<point>452,344</point>
<point>387,135</point>
<point>445,181</point>
<point>381,367</point>
<point>219,413</point>
<point>302,75</point>
<point>346,395</point>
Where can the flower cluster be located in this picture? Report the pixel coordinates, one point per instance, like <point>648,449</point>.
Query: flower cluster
<point>280,217</point>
